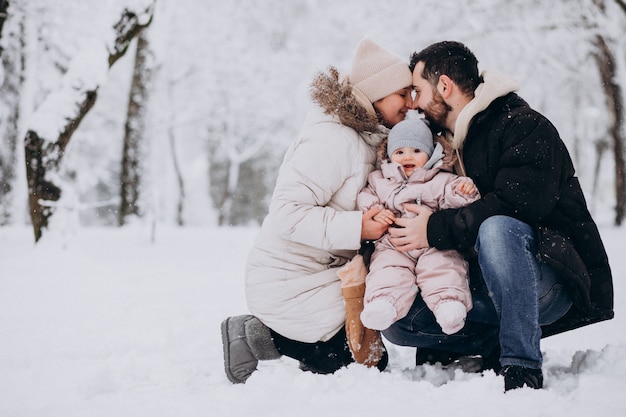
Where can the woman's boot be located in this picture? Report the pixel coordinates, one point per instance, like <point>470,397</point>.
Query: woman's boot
<point>366,344</point>
<point>246,341</point>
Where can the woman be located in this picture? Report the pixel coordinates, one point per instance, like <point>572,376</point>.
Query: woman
<point>313,227</point>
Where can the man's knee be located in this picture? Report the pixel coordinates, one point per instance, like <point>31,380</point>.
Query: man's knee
<point>501,234</point>
<point>496,225</point>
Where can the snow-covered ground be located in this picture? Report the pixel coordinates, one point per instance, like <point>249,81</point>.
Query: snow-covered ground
<point>110,322</point>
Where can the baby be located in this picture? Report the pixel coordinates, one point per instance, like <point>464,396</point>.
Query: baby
<point>413,175</point>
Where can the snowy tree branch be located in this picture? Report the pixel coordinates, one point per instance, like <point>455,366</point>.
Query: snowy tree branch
<point>4,5</point>
<point>60,114</point>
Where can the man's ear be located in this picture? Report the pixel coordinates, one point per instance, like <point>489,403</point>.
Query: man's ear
<point>445,86</point>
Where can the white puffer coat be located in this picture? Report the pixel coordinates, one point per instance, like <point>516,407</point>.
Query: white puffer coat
<point>313,226</point>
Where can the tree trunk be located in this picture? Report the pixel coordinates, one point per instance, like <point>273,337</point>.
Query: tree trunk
<point>4,5</point>
<point>613,93</point>
<point>13,62</point>
<point>43,153</point>
<point>180,207</point>
<point>134,141</point>
<point>228,203</point>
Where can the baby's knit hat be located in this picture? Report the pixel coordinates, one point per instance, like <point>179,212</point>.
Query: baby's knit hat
<point>410,133</point>
<point>377,72</point>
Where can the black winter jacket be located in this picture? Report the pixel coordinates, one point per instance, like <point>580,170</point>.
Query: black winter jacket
<point>523,170</point>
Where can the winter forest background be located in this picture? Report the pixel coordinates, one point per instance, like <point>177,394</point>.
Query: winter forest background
<point>190,122</point>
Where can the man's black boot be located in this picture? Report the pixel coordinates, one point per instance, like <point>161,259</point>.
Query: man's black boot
<point>432,356</point>
<point>520,376</point>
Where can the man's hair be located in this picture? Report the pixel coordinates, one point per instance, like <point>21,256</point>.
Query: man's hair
<point>452,59</point>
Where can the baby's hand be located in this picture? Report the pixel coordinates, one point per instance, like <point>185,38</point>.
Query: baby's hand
<point>467,188</point>
<point>385,216</point>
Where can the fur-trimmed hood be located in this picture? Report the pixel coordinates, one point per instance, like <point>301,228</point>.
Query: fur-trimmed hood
<point>335,95</point>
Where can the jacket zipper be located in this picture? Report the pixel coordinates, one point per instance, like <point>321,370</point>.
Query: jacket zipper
<point>395,193</point>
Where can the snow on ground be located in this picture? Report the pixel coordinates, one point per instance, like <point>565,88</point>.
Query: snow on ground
<point>110,322</point>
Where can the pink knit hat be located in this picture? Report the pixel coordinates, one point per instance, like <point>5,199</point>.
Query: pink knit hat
<point>376,72</point>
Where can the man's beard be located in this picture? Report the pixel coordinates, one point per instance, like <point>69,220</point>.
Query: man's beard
<point>437,111</point>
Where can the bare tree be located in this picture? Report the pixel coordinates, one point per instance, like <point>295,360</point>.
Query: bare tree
<point>13,64</point>
<point>606,65</point>
<point>180,206</point>
<point>134,141</point>
<point>4,5</point>
<point>620,168</point>
<point>606,53</point>
<point>43,151</point>
<point>233,150</point>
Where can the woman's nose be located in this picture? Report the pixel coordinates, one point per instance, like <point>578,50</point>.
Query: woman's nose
<point>408,102</point>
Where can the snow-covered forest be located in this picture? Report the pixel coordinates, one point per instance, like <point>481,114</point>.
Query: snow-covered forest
<point>156,114</point>
<point>189,128</point>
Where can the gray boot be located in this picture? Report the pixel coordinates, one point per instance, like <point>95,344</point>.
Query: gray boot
<point>246,341</point>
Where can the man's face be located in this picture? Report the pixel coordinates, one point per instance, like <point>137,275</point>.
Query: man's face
<point>428,100</point>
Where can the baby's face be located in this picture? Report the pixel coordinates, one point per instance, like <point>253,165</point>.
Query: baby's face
<point>410,159</point>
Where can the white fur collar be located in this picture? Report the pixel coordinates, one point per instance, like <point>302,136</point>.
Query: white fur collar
<point>495,84</point>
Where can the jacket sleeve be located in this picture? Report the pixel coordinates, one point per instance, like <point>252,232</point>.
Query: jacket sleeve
<point>368,197</point>
<point>529,167</point>
<point>451,197</point>
<point>314,170</point>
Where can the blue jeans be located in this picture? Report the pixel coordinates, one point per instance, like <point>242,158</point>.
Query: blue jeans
<point>513,294</point>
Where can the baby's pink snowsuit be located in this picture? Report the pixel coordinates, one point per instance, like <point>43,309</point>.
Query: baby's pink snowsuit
<point>440,275</point>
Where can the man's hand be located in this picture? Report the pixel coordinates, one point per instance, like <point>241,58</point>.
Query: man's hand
<point>370,228</point>
<point>411,233</point>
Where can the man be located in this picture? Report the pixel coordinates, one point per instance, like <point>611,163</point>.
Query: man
<point>538,265</point>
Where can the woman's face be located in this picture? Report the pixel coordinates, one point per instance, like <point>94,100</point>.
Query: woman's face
<point>393,108</point>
